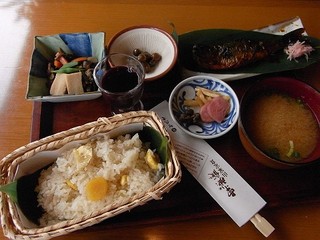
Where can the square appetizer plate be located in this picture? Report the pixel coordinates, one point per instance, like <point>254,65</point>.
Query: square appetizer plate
<point>45,49</point>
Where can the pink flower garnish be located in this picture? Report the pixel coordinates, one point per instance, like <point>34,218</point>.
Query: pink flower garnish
<point>297,50</point>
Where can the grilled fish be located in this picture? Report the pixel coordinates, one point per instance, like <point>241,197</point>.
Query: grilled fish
<point>236,53</point>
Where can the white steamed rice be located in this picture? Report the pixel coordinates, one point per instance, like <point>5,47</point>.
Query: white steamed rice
<point>111,159</point>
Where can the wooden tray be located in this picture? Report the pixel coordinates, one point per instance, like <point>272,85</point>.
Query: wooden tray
<point>187,199</point>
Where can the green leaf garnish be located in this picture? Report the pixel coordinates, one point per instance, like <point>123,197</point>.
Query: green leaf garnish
<point>11,190</point>
<point>174,33</point>
<point>157,141</point>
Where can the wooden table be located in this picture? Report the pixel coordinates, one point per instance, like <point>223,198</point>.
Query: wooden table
<point>22,20</point>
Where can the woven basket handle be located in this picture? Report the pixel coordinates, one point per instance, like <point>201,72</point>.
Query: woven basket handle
<point>104,120</point>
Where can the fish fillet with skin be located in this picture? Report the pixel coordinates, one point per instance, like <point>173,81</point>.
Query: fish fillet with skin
<point>229,55</point>
<point>239,52</point>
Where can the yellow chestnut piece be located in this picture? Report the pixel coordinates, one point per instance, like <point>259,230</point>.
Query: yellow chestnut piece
<point>124,180</point>
<point>152,159</point>
<point>71,185</point>
<point>83,156</point>
<point>97,189</point>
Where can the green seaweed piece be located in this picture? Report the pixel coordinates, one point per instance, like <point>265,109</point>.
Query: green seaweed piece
<point>273,152</point>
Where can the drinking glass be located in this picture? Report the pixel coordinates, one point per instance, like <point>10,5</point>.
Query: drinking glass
<point>120,78</point>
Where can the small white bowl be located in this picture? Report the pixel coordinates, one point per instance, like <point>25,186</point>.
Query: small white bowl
<point>151,40</point>
<point>186,88</point>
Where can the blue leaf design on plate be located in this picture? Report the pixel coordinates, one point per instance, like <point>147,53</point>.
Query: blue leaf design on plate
<point>79,43</point>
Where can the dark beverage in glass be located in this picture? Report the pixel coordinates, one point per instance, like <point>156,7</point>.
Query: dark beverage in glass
<point>120,79</point>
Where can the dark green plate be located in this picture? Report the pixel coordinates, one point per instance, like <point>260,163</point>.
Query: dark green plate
<point>276,63</point>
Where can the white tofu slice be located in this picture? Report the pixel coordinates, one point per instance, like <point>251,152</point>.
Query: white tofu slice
<point>74,83</point>
<point>59,86</point>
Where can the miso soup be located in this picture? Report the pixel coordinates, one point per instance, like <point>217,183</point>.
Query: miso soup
<point>283,127</point>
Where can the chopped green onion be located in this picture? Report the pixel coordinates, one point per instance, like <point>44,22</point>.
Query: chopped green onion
<point>296,154</point>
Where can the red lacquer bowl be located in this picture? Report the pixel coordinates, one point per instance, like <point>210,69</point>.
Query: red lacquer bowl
<point>294,88</point>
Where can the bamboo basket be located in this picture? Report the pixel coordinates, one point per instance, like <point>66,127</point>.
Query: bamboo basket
<point>14,222</point>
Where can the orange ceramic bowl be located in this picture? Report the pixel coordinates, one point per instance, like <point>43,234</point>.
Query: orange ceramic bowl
<point>291,87</point>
